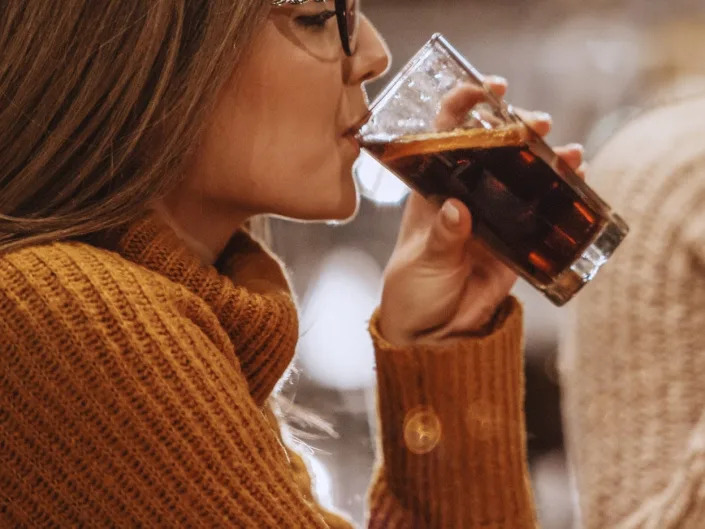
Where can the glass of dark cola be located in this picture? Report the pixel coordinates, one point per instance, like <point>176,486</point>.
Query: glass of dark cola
<point>527,205</point>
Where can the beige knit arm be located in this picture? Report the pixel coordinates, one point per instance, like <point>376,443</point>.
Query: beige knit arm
<point>681,503</point>
<point>453,433</point>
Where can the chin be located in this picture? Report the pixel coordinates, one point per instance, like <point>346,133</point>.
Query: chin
<point>326,201</point>
<point>348,209</point>
<point>347,203</point>
<point>341,213</point>
<point>342,210</point>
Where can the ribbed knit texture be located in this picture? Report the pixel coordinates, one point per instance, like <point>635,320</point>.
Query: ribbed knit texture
<point>476,476</point>
<point>133,390</point>
<point>633,361</point>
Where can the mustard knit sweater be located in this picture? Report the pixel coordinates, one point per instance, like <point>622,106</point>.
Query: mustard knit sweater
<point>133,391</point>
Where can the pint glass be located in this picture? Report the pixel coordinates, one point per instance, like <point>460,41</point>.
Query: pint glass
<point>527,205</point>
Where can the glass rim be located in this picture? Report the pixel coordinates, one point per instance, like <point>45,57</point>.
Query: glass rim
<point>438,42</point>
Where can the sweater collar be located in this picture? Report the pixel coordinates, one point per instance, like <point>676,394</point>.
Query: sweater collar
<point>247,290</point>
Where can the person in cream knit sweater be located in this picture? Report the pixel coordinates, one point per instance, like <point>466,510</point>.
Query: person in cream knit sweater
<point>633,359</point>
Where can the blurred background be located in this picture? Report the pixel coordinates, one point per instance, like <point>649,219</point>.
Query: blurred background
<point>593,65</point>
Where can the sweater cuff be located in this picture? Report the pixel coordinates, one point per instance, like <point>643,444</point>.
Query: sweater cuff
<point>453,428</point>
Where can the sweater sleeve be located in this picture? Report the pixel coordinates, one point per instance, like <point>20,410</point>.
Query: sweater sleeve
<point>138,420</point>
<point>453,433</point>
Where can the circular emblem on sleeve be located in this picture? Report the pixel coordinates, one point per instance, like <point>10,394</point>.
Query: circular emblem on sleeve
<point>422,430</point>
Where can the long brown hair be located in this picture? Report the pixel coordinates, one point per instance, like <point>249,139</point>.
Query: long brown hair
<point>102,101</point>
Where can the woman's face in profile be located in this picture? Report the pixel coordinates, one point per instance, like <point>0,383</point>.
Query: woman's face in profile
<point>278,140</point>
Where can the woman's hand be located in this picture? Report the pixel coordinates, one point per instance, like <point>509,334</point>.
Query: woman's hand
<point>440,282</point>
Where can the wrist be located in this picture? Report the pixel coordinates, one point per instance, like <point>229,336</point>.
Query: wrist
<point>486,323</point>
<point>390,333</point>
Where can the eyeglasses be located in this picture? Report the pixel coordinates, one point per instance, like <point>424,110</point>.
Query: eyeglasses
<point>310,25</point>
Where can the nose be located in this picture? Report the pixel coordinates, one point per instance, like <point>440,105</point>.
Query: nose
<point>371,59</point>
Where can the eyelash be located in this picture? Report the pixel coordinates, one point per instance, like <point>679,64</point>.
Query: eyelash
<point>317,21</point>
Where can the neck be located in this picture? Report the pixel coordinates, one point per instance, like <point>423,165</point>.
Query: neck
<point>205,231</point>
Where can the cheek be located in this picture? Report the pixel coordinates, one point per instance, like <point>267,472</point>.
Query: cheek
<point>274,143</point>
<point>286,110</point>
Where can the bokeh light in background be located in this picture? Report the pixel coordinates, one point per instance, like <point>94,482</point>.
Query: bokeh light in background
<point>376,183</point>
<point>334,349</point>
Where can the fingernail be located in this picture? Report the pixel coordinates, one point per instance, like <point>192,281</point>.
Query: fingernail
<point>451,215</point>
<point>497,79</point>
<point>543,116</point>
<point>576,147</point>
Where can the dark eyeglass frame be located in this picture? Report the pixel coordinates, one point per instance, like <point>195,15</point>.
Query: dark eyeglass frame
<point>342,15</point>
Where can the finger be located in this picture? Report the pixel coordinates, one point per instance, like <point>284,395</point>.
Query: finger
<point>497,84</point>
<point>540,122</point>
<point>446,243</point>
<point>572,154</point>
<point>490,278</point>
<point>488,267</point>
<point>464,96</point>
<point>456,104</point>
<point>582,170</point>
<point>484,292</point>
<point>418,215</point>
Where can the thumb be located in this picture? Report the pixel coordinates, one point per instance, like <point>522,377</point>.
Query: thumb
<point>449,233</point>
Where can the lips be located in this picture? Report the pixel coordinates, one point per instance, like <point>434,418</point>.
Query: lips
<point>353,141</point>
<point>357,125</point>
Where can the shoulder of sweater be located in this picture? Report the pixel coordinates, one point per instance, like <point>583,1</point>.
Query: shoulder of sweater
<point>71,298</point>
<point>667,137</point>
<point>82,283</point>
<point>75,263</point>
